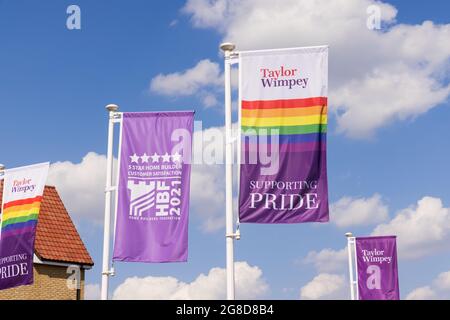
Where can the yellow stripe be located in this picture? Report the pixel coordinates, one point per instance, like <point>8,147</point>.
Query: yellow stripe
<point>21,213</point>
<point>23,207</point>
<point>284,121</point>
<point>285,112</point>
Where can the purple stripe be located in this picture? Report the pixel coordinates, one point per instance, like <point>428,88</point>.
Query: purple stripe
<point>20,225</point>
<point>16,232</point>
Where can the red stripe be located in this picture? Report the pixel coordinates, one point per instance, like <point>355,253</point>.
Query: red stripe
<point>21,202</point>
<point>285,103</point>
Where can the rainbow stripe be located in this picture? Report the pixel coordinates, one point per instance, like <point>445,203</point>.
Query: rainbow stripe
<point>298,122</point>
<point>20,216</point>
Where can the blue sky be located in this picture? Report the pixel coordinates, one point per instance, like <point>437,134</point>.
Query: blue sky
<point>55,82</point>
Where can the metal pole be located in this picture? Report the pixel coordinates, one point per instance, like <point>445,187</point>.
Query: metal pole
<point>227,48</point>
<point>112,108</point>
<point>350,240</point>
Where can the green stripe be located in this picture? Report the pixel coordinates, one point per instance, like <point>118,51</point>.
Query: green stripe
<point>284,130</point>
<point>27,218</point>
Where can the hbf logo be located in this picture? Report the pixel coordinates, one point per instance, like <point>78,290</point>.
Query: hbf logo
<point>153,194</point>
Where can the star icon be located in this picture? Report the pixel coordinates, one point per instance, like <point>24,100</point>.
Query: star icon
<point>144,158</point>
<point>166,157</point>
<point>134,158</point>
<point>155,157</point>
<point>176,157</point>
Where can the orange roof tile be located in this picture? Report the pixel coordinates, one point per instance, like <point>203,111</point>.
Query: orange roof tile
<point>57,239</point>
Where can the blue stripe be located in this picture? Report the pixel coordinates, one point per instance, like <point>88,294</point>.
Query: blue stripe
<point>20,225</point>
<point>289,138</point>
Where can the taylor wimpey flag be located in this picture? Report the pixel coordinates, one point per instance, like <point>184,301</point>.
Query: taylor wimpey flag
<point>283,171</point>
<point>22,195</point>
<point>376,260</point>
<point>153,196</point>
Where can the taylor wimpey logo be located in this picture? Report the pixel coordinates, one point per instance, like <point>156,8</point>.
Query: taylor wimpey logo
<point>375,256</point>
<point>23,185</point>
<point>282,77</point>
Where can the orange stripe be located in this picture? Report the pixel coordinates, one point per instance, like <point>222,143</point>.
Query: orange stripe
<point>292,112</point>
<point>21,202</point>
<point>23,207</point>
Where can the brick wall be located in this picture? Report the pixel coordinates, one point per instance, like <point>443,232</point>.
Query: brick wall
<point>50,283</point>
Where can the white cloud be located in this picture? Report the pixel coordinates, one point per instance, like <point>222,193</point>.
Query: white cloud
<point>349,211</point>
<point>208,196</point>
<point>327,260</point>
<point>439,289</point>
<point>325,286</point>
<point>204,73</point>
<point>207,183</point>
<point>209,100</point>
<point>204,76</point>
<point>205,81</point>
<point>92,291</point>
<point>422,293</point>
<point>81,186</point>
<point>249,285</point>
<point>208,178</point>
<point>421,230</point>
<point>376,78</point>
<point>367,103</point>
<point>442,282</point>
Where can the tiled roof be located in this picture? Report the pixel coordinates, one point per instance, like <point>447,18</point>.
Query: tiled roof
<point>57,239</point>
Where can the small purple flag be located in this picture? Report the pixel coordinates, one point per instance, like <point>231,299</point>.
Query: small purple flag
<point>153,190</point>
<point>376,259</point>
<point>22,196</point>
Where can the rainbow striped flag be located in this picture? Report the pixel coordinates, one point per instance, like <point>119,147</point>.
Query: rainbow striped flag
<point>22,196</point>
<point>283,117</point>
<point>20,216</point>
<point>301,124</point>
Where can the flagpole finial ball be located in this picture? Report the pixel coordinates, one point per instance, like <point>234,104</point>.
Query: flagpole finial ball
<point>349,234</point>
<point>227,46</point>
<point>112,107</point>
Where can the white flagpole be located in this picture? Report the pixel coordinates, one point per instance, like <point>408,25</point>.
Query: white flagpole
<point>228,48</point>
<point>350,242</point>
<point>112,108</point>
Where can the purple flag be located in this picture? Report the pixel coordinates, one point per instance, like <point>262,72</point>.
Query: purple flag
<point>153,195</point>
<point>283,170</point>
<point>22,196</point>
<point>376,259</point>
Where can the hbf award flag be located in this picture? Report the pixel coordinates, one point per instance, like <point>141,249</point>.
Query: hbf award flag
<point>283,173</point>
<point>153,190</point>
<point>376,261</point>
<point>22,195</point>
